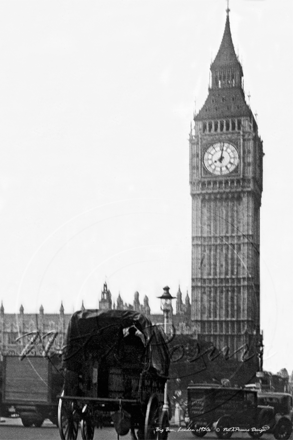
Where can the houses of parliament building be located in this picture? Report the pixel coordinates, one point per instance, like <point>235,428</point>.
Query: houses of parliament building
<point>16,330</point>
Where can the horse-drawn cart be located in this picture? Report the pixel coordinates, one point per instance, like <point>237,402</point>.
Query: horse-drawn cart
<point>114,362</point>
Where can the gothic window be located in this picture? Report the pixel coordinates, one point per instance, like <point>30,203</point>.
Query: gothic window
<point>233,125</point>
<point>210,125</point>
<point>208,291</point>
<point>221,327</point>
<point>226,261</point>
<point>232,305</point>
<point>204,127</point>
<point>233,260</point>
<point>221,125</point>
<point>227,125</point>
<point>227,305</point>
<point>31,326</point>
<point>209,261</point>
<point>239,330</point>
<point>228,78</point>
<point>215,304</point>
<point>216,125</point>
<point>239,124</point>
<point>239,262</point>
<point>11,337</point>
<point>233,79</point>
<point>216,80</point>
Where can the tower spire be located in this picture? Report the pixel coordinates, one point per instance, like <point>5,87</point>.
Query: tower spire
<point>228,9</point>
<point>226,55</point>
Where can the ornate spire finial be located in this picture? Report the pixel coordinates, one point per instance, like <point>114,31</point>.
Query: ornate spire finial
<point>61,310</point>
<point>228,9</point>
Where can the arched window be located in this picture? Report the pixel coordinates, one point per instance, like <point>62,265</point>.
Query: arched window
<point>32,326</point>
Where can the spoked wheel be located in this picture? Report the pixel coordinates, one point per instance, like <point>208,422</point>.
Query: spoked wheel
<point>68,420</point>
<point>87,424</point>
<point>222,428</point>
<point>152,419</point>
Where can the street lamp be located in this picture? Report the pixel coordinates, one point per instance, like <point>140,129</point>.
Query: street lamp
<point>166,305</point>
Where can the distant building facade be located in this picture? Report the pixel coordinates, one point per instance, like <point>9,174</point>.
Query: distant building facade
<point>43,330</point>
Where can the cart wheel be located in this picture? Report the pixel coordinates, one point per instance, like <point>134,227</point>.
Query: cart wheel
<point>87,426</point>
<point>87,429</point>
<point>152,419</point>
<point>222,428</point>
<point>163,425</point>
<point>283,429</point>
<point>67,420</point>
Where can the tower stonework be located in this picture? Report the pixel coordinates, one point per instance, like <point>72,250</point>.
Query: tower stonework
<point>226,155</point>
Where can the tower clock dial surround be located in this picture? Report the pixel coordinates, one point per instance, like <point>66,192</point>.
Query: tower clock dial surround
<point>221,158</point>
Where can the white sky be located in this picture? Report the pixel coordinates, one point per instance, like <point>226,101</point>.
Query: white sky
<point>96,100</point>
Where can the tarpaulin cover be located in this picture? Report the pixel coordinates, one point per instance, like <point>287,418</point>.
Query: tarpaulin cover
<point>99,333</point>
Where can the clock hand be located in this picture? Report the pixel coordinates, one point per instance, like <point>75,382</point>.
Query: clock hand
<point>221,157</point>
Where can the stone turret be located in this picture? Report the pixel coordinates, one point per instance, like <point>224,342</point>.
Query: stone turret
<point>119,303</point>
<point>106,299</point>
<point>136,302</point>
<point>146,307</point>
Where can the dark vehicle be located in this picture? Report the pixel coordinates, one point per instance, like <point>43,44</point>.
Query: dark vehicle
<point>31,386</point>
<point>117,362</point>
<point>281,423</point>
<point>226,410</point>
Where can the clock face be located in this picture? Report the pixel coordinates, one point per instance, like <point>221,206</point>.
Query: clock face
<point>221,158</point>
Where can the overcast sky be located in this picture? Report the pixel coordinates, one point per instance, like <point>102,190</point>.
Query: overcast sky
<point>96,101</point>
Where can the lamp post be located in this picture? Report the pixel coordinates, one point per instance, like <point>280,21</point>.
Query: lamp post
<point>166,306</point>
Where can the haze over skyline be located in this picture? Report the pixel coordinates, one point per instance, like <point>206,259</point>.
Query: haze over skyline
<point>96,104</point>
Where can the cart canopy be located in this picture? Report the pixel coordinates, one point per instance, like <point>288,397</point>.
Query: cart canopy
<point>100,334</point>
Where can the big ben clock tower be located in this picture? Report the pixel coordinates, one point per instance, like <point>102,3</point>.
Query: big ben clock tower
<point>226,187</point>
